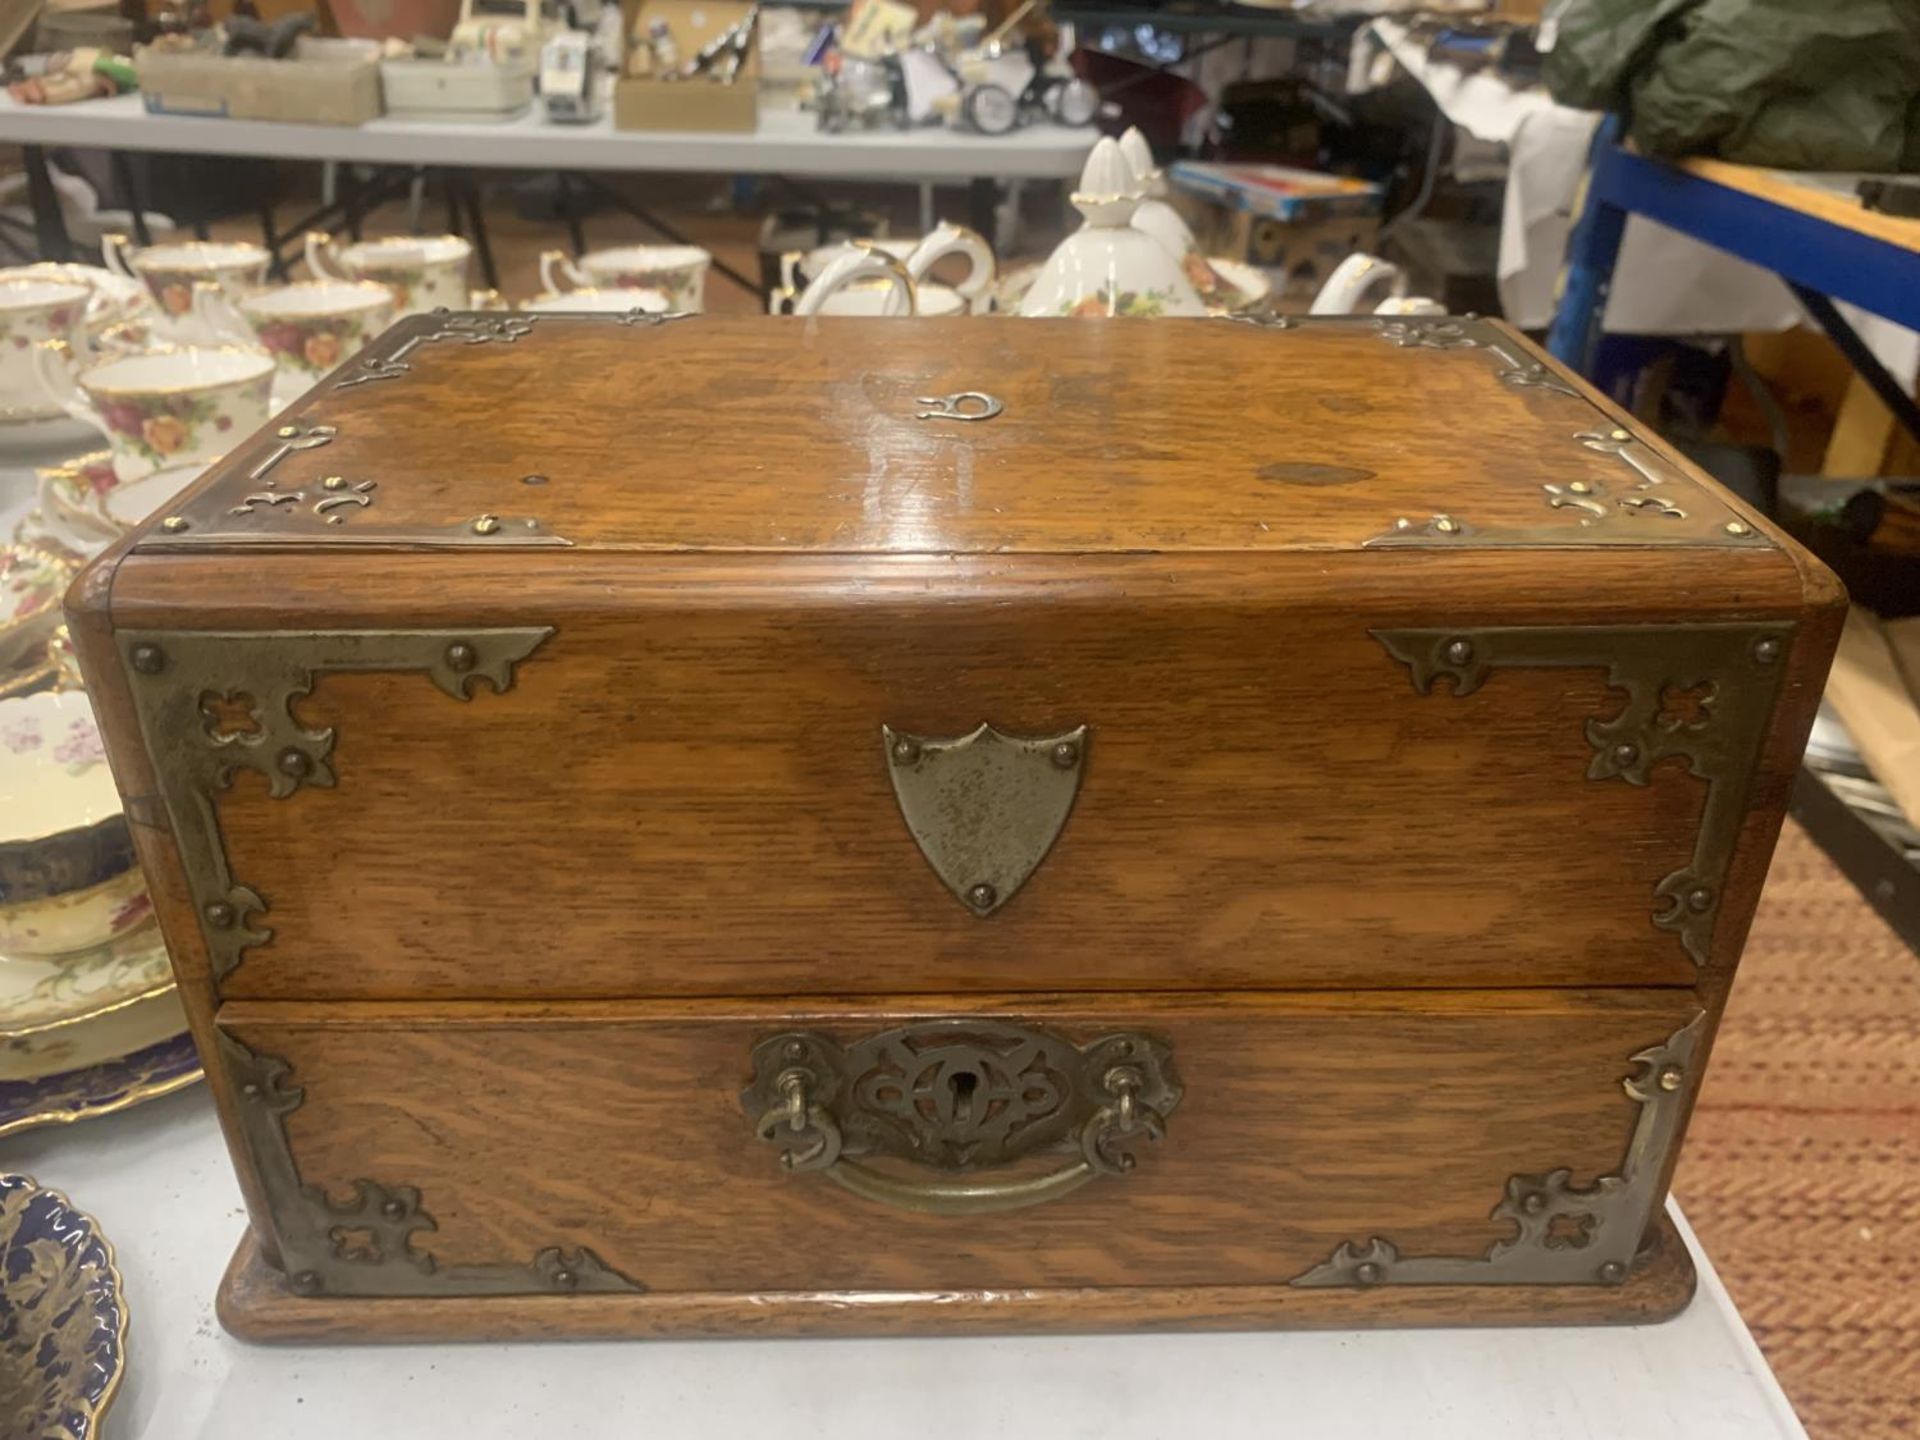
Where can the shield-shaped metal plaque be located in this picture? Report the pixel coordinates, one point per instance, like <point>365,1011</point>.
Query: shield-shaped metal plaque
<point>985,808</point>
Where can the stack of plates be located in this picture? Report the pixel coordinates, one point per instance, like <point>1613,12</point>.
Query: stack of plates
<point>90,1020</point>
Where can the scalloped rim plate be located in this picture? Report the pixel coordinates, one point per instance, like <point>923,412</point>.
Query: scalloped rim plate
<point>81,1094</point>
<point>76,1310</point>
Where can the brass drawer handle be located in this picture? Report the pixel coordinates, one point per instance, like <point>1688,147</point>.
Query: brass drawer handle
<point>960,1097</point>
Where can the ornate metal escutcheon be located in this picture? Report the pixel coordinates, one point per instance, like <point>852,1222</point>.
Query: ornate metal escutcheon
<point>956,1097</point>
<point>986,807</point>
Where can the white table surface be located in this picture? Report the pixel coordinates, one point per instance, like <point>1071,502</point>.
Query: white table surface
<point>786,143</point>
<point>157,1179</point>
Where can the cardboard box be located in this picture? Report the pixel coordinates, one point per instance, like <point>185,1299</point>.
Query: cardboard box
<point>1299,255</point>
<point>1278,192</point>
<point>646,102</point>
<point>324,82</point>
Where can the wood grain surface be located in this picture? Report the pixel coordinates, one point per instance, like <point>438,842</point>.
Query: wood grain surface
<point>255,1304</point>
<point>1307,1121</point>
<point>773,434</point>
<point>685,791</point>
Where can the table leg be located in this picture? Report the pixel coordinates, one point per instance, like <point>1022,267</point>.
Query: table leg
<point>1892,394</point>
<point>349,178</point>
<point>12,233</point>
<point>270,241</point>
<point>570,212</point>
<point>1592,249</point>
<point>983,195</point>
<point>49,226</point>
<point>470,192</point>
<point>125,182</point>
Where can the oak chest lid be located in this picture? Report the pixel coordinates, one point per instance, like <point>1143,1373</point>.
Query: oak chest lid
<point>711,434</point>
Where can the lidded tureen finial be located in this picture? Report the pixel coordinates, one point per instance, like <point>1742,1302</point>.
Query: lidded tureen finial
<point>1109,192</point>
<point>1147,174</point>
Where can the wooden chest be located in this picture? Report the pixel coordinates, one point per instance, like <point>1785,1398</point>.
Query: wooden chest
<point>859,826</point>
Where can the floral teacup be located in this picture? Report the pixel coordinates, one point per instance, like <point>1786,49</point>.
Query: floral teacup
<point>33,311</point>
<point>621,302</point>
<point>68,880</point>
<point>423,272</point>
<point>678,272</point>
<point>171,271</point>
<point>32,580</point>
<point>167,408</point>
<point>308,328</point>
<point>116,299</point>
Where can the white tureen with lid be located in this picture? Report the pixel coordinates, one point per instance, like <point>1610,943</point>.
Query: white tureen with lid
<point>1107,267</point>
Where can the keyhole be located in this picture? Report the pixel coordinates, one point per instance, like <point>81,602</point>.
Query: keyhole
<point>963,1086</point>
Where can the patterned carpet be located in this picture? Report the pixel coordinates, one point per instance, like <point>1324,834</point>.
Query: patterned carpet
<point>1802,1168</point>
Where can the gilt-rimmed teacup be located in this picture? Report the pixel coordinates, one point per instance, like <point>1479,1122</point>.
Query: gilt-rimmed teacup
<point>171,270</point>
<point>588,298</point>
<point>974,293</point>
<point>424,272</point>
<point>168,407</point>
<point>309,328</point>
<point>115,298</point>
<point>678,272</point>
<point>33,311</point>
<point>863,280</point>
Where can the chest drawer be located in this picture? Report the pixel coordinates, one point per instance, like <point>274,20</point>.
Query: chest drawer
<point>1280,1151</point>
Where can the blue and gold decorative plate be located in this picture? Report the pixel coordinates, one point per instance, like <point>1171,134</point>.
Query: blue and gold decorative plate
<point>63,1323</point>
<point>156,1070</point>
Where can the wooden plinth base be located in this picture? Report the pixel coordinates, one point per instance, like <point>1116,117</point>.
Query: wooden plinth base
<point>255,1304</point>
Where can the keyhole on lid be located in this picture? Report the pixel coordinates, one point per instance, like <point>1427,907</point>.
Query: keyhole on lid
<point>963,1086</point>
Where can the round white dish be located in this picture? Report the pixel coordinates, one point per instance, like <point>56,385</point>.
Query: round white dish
<point>88,1008</point>
<point>68,879</point>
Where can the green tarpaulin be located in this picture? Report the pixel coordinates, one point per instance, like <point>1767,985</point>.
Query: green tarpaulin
<point>1797,84</point>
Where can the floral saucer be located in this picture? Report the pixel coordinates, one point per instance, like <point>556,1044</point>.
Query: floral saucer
<point>90,1008</point>
<point>88,497</point>
<point>68,879</point>
<point>132,501</point>
<point>32,580</point>
<point>72,493</point>
<point>63,1318</point>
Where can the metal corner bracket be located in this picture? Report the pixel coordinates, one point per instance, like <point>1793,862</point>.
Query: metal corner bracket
<point>1703,694</point>
<point>1563,1234</point>
<point>213,703</point>
<point>1653,504</point>
<point>363,1245</point>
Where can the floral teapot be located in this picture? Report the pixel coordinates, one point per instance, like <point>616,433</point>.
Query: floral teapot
<point>1108,268</point>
